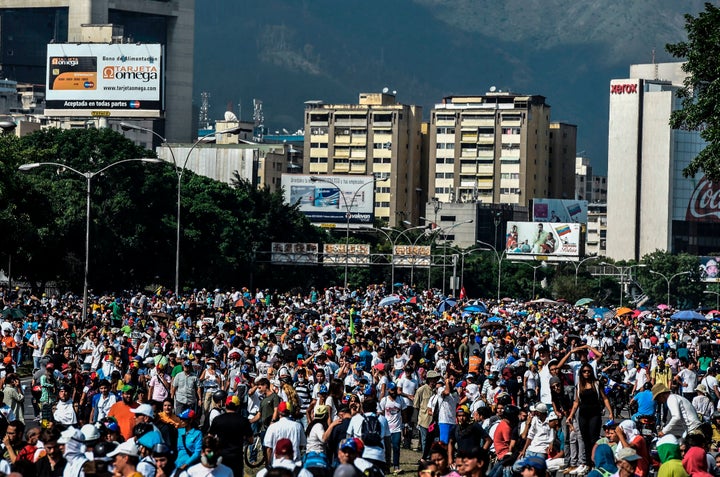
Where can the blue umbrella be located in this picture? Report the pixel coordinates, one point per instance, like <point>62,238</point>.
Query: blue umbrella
<point>475,309</point>
<point>688,315</point>
<point>389,300</point>
<point>446,304</point>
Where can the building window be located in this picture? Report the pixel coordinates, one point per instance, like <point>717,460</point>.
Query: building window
<point>318,160</point>
<point>444,175</point>
<point>382,204</point>
<point>445,160</point>
<point>444,130</point>
<point>448,218</point>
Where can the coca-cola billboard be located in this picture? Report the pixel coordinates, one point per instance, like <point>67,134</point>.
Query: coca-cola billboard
<point>704,205</point>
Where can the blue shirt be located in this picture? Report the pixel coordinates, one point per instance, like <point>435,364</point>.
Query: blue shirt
<point>646,405</point>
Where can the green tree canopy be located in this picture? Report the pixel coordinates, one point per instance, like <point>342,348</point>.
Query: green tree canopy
<point>701,92</point>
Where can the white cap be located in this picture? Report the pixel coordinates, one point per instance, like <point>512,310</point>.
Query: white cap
<point>90,432</point>
<point>71,434</point>
<point>552,416</point>
<point>144,410</point>
<point>126,448</point>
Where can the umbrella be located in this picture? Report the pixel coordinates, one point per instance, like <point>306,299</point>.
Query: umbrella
<point>398,284</point>
<point>584,301</point>
<point>663,306</point>
<point>242,303</point>
<point>454,330</point>
<point>623,311</point>
<point>494,322</point>
<point>13,313</point>
<point>687,315</point>
<point>414,300</point>
<point>475,309</point>
<point>389,300</point>
<point>446,304</point>
<point>162,315</point>
<point>599,313</point>
<point>545,300</point>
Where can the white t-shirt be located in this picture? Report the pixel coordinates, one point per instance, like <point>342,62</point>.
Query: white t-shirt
<point>392,410</point>
<point>408,387</point>
<point>533,380</point>
<point>199,470</point>
<point>448,404</point>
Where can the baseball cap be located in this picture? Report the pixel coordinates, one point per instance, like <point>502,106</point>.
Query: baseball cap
<point>627,454</point>
<point>552,416</point>
<point>144,410</point>
<point>432,374</point>
<point>285,407</point>
<point>532,461</point>
<point>348,444</point>
<point>463,408</point>
<point>187,414</point>
<point>126,448</point>
<point>541,408</point>
<point>284,446</point>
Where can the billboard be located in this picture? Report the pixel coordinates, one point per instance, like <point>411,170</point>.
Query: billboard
<point>543,238</point>
<point>95,79</point>
<point>357,254</point>
<point>294,253</point>
<point>560,211</point>
<point>411,255</point>
<point>709,269</point>
<point>325,201</point>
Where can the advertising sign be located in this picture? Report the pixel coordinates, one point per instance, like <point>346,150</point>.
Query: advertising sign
<point>95,79</point>
<point>357,254</point>
<point>709,269</point>
<point>543,238</point>
<point>409,255</point>
<point>326,201</point>
<point>704,204</point>
<point>294,253</point>
<point>560,211</point>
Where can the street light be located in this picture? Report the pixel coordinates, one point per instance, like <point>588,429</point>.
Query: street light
<point>668,280</point>
<point>622,271</point>
<point>578,265</point>
<point>462,264</point>
<point>88,177</point>
<point>499,260</point>
<point>534,267</point>
<point>179,172</point>
<point>445,230</point>
<point>717,297</point>
<point>393,243</point>
<point>348,206</point>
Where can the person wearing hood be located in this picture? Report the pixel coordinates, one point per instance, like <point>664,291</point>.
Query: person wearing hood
<point>604,462</point>
<point>74,453</point>
<point>695,462</point>
<point>668,450</point>
<point>629,436</point>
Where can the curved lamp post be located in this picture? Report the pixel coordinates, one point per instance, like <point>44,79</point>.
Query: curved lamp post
<point>179,170</point>
<point>88,177</point>
<point>668,280</point>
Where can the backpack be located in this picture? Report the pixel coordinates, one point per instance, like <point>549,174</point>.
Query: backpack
<point>371,431</point>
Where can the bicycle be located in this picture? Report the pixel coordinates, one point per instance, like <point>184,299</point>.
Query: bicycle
<point>254,453</point>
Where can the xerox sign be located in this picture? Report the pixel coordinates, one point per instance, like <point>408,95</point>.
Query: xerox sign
<point>121,80</point>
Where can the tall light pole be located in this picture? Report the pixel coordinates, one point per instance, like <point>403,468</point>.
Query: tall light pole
<point>393,243</point>
<point>499,261</point>
<point>621,271</point>
<point>462,264</point>
<point>348,206</point>
<point>668,280</point>
<point>88,177</point>
<point>179,171</point>
<point>717,297</point>
<point>445,230</point>
<point>534,267</point>
<point>579,264</point>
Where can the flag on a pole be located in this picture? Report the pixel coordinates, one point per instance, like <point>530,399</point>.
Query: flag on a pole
<point>462,293</point>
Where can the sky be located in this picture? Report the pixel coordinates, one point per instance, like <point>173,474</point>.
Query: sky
<point>286,52</point>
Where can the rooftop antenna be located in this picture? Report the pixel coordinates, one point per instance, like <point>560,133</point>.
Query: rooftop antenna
<point>655,65</point>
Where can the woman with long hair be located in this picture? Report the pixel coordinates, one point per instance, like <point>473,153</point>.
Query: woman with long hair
<point>589,400</point>
<point>317,452</point>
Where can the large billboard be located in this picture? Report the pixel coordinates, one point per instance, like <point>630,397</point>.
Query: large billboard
<point>325,202</point>
<point>357,254</point>
<point>95,79</point>
<point>560,211</point>
<point>294,253</point>
<point>411,255</point>
<point>709,269</point>
<point>543,239</point>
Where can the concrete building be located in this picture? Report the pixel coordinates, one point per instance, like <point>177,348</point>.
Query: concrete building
<point>376,136</point>
<point>650,205</point>
<point>29,25</point>
<point>495,148</point>
<point>596,233</point>
<point>589,186</point>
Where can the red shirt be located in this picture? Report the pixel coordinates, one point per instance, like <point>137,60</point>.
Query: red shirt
<point>501,439</point>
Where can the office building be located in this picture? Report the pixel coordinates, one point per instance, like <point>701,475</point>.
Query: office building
<point>376,136</point>
<point>29,25</point>
<point>596,232</point>
<point>650,204</point>
<point>496,148</point>
<point>589,186</point>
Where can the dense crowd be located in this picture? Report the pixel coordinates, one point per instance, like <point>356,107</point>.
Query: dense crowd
<point>334,381</point>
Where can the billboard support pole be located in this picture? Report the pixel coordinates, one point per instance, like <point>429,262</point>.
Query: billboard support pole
<point>348,206</point>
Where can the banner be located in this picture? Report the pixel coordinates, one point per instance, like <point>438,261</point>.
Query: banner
<point>97,79</point>
<point>294,253</point>
<point>357,254</point>
<point>543,238</point>
<point>709,271</point>
<point>560,211</point>
<point>411,255</point>
<point>327,199</point>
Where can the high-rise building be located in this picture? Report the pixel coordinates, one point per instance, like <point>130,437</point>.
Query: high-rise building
<point>589,186</point>
<point>495,148</point>
<point>29,25</point>
<point>376,136</point>
<point>650,204</point>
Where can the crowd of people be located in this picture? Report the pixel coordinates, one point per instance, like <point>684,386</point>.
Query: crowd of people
<point>331,382</point>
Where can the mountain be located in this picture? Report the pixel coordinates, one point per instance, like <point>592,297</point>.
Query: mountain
<point>286,52</point>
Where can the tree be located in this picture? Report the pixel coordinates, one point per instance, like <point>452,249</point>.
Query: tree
<point>701,91</point>
<point>685,290</point>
